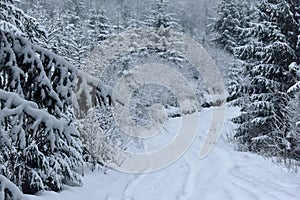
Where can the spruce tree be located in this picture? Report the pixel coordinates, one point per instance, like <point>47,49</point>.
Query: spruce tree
<point>98,27</point>
<point>35,99</point>
<point>40,147</point>
<point>15,20</point>
<point>264,125</point>
<point>161,17</point>
<point>73,36</point>
<point>232,17</point>
<point>294,108</point>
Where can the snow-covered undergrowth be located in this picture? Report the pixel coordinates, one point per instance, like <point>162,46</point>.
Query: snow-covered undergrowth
<point>9,187</point>
<point>156,46</point>
<point>223,174</point>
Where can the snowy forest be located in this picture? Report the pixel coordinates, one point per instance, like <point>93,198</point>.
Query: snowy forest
<point>68,72</point>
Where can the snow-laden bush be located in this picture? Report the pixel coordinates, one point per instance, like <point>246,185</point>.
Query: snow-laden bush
<point>9,191</point>
<point>158,114</point>
<point>96,131</point>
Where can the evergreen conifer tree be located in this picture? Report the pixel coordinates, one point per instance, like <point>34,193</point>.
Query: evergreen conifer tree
<point>264,125</point>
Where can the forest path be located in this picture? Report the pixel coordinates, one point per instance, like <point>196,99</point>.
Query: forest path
<point>223,174</point>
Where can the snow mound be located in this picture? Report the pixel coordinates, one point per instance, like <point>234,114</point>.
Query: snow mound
<point>158,114</point>
<point>7,186</point>
<point>188,106</point>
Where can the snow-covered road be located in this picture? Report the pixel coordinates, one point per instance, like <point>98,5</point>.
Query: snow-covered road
<point>223,174</point>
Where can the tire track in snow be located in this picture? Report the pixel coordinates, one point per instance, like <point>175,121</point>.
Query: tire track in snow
<point>224,174</point>
<point>130,184</point>
<point>186,184</point>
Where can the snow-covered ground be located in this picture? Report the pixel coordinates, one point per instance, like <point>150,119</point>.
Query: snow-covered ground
<point>223,174</point>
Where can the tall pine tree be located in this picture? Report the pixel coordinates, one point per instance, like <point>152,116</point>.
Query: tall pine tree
<point>232,17</point>
<point>15,20</point>
<point>161,17</point>
<point>264,125</point>
<point>40,148</point>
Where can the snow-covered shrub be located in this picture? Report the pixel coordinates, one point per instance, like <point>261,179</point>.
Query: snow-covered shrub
<point>173,112</point>
<point>188,107</point>
<point>158,114</point>
<point>145,95</point>
<point>95,130</point>
<point>8,190</point>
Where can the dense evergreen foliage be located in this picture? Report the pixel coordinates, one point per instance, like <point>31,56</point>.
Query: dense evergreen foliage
<point>232,17</point>
<point>56,119</point>
<point>266,47</point>
<point>36,132</point>
<point>40,147</point>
